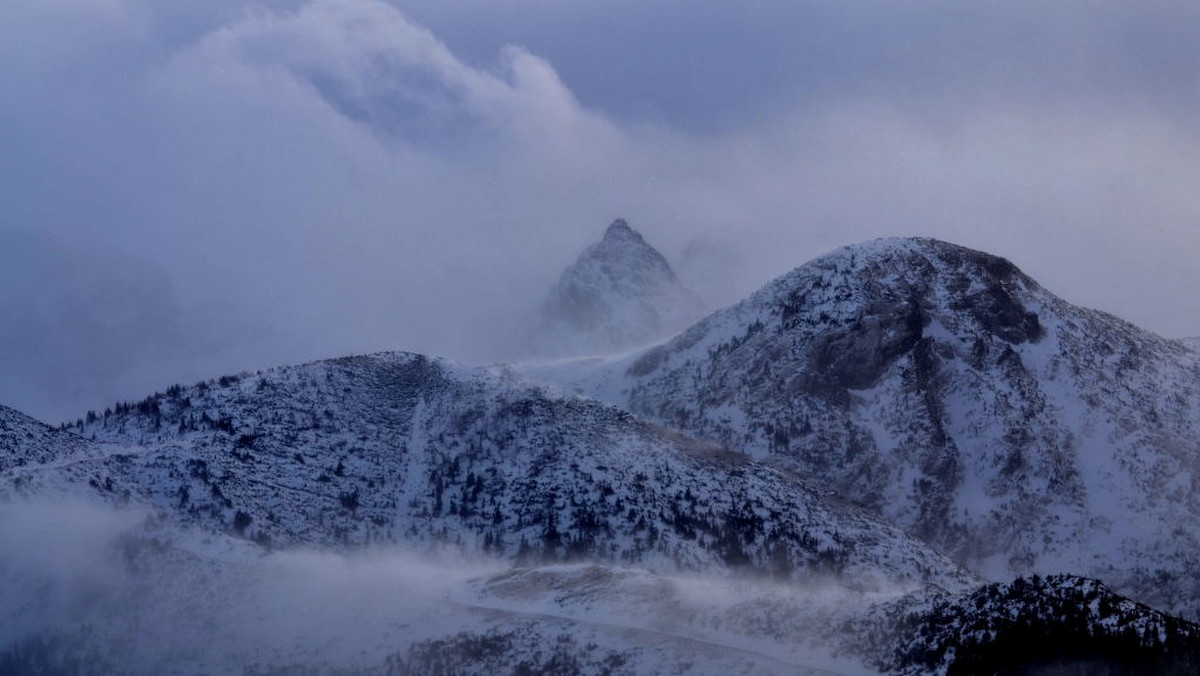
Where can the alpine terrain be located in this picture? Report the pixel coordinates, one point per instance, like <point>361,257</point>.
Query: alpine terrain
<point>774,491</point>
<point>948,392</point>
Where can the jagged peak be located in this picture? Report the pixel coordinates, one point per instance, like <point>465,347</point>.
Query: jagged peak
<point>619,229</point>
<point>623,242</point>
<point>619,293</point>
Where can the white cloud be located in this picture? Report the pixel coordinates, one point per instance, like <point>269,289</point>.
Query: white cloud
<point>305,179</point>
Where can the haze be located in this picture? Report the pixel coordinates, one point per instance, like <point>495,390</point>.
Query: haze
<point>195,187</point>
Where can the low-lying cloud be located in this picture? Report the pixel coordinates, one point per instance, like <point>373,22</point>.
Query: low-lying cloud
<point>95,589</point>
<point>199,187</point>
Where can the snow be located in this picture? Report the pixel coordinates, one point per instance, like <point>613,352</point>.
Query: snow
<point>748,500</point>
<point>1052,450</point>
<point>621,293</point>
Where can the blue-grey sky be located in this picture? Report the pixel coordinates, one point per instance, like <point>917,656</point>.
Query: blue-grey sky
<point>199,186</point>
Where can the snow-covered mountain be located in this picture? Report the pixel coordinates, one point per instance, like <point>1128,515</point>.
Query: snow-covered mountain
<point>949,392</point>
<point>1055,625</point>
<point>401,514</point>
<point>620,293</point>
<point>400,448</point>
<point>1192,343</point>
<point>222,489</point>
<point>25,441</point>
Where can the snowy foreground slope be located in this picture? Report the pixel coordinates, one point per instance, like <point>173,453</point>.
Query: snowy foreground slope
<point>425,518</point>
<point>401,448</point>
<point>620,293</point>
<point>93,588</point>
<point>953,395</point>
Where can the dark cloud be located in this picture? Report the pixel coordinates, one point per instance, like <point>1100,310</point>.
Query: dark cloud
<point>213,186</point>
<point>710,67</point>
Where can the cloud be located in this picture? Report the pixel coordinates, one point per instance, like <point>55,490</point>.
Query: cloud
<point>58,558</point>
<point>711,67</point>
<point>332,172</point>
<point>130,593</point>
<point>194,188</point>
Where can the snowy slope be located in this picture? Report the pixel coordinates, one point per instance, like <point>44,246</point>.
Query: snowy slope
<point>949,392</point>
<point>1054,625</point>
<point>400,448</point>
<point>221,489</point>
<point>25,441</point>
<point>1191,343</point>
<point>177,536</point>
<point>620,293</point>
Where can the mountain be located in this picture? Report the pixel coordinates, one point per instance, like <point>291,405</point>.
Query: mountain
<point>401,448</point>
<point>947,391</point>
<point>203,523</point>
<point>1191,343</point>
<point>25,441</point>
<point>620,293</point>
<point>401,514</point>
<point>1055,625</point>
<point>240,524</point>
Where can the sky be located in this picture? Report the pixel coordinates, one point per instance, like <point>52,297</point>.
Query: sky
<point>198,187</point>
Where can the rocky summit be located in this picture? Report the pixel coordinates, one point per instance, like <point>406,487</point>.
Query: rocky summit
<point>620,293</point>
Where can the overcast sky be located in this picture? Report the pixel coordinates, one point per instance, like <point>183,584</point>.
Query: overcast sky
<point>194,187</point>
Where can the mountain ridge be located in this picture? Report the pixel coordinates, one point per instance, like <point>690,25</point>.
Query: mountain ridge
<point>947,390</point>
<point>899,355</point>
<point>397,447</point>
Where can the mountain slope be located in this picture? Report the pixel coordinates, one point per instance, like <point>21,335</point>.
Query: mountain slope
<point>25,441</point>
<point>1054,625</point>
<point>948,391</point>
<point>400,448</point>
<point>620,293</point>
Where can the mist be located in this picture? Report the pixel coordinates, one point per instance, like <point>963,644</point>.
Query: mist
<point>101,589</point>
<point>195,188</point>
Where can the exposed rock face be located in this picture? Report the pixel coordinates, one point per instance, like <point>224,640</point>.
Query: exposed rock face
<point>620,293</point>
<point>948,391</point>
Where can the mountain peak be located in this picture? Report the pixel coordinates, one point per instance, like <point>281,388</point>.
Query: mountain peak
<point>620,293</point>
<point>625,246</point>
<point>619,229</point>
